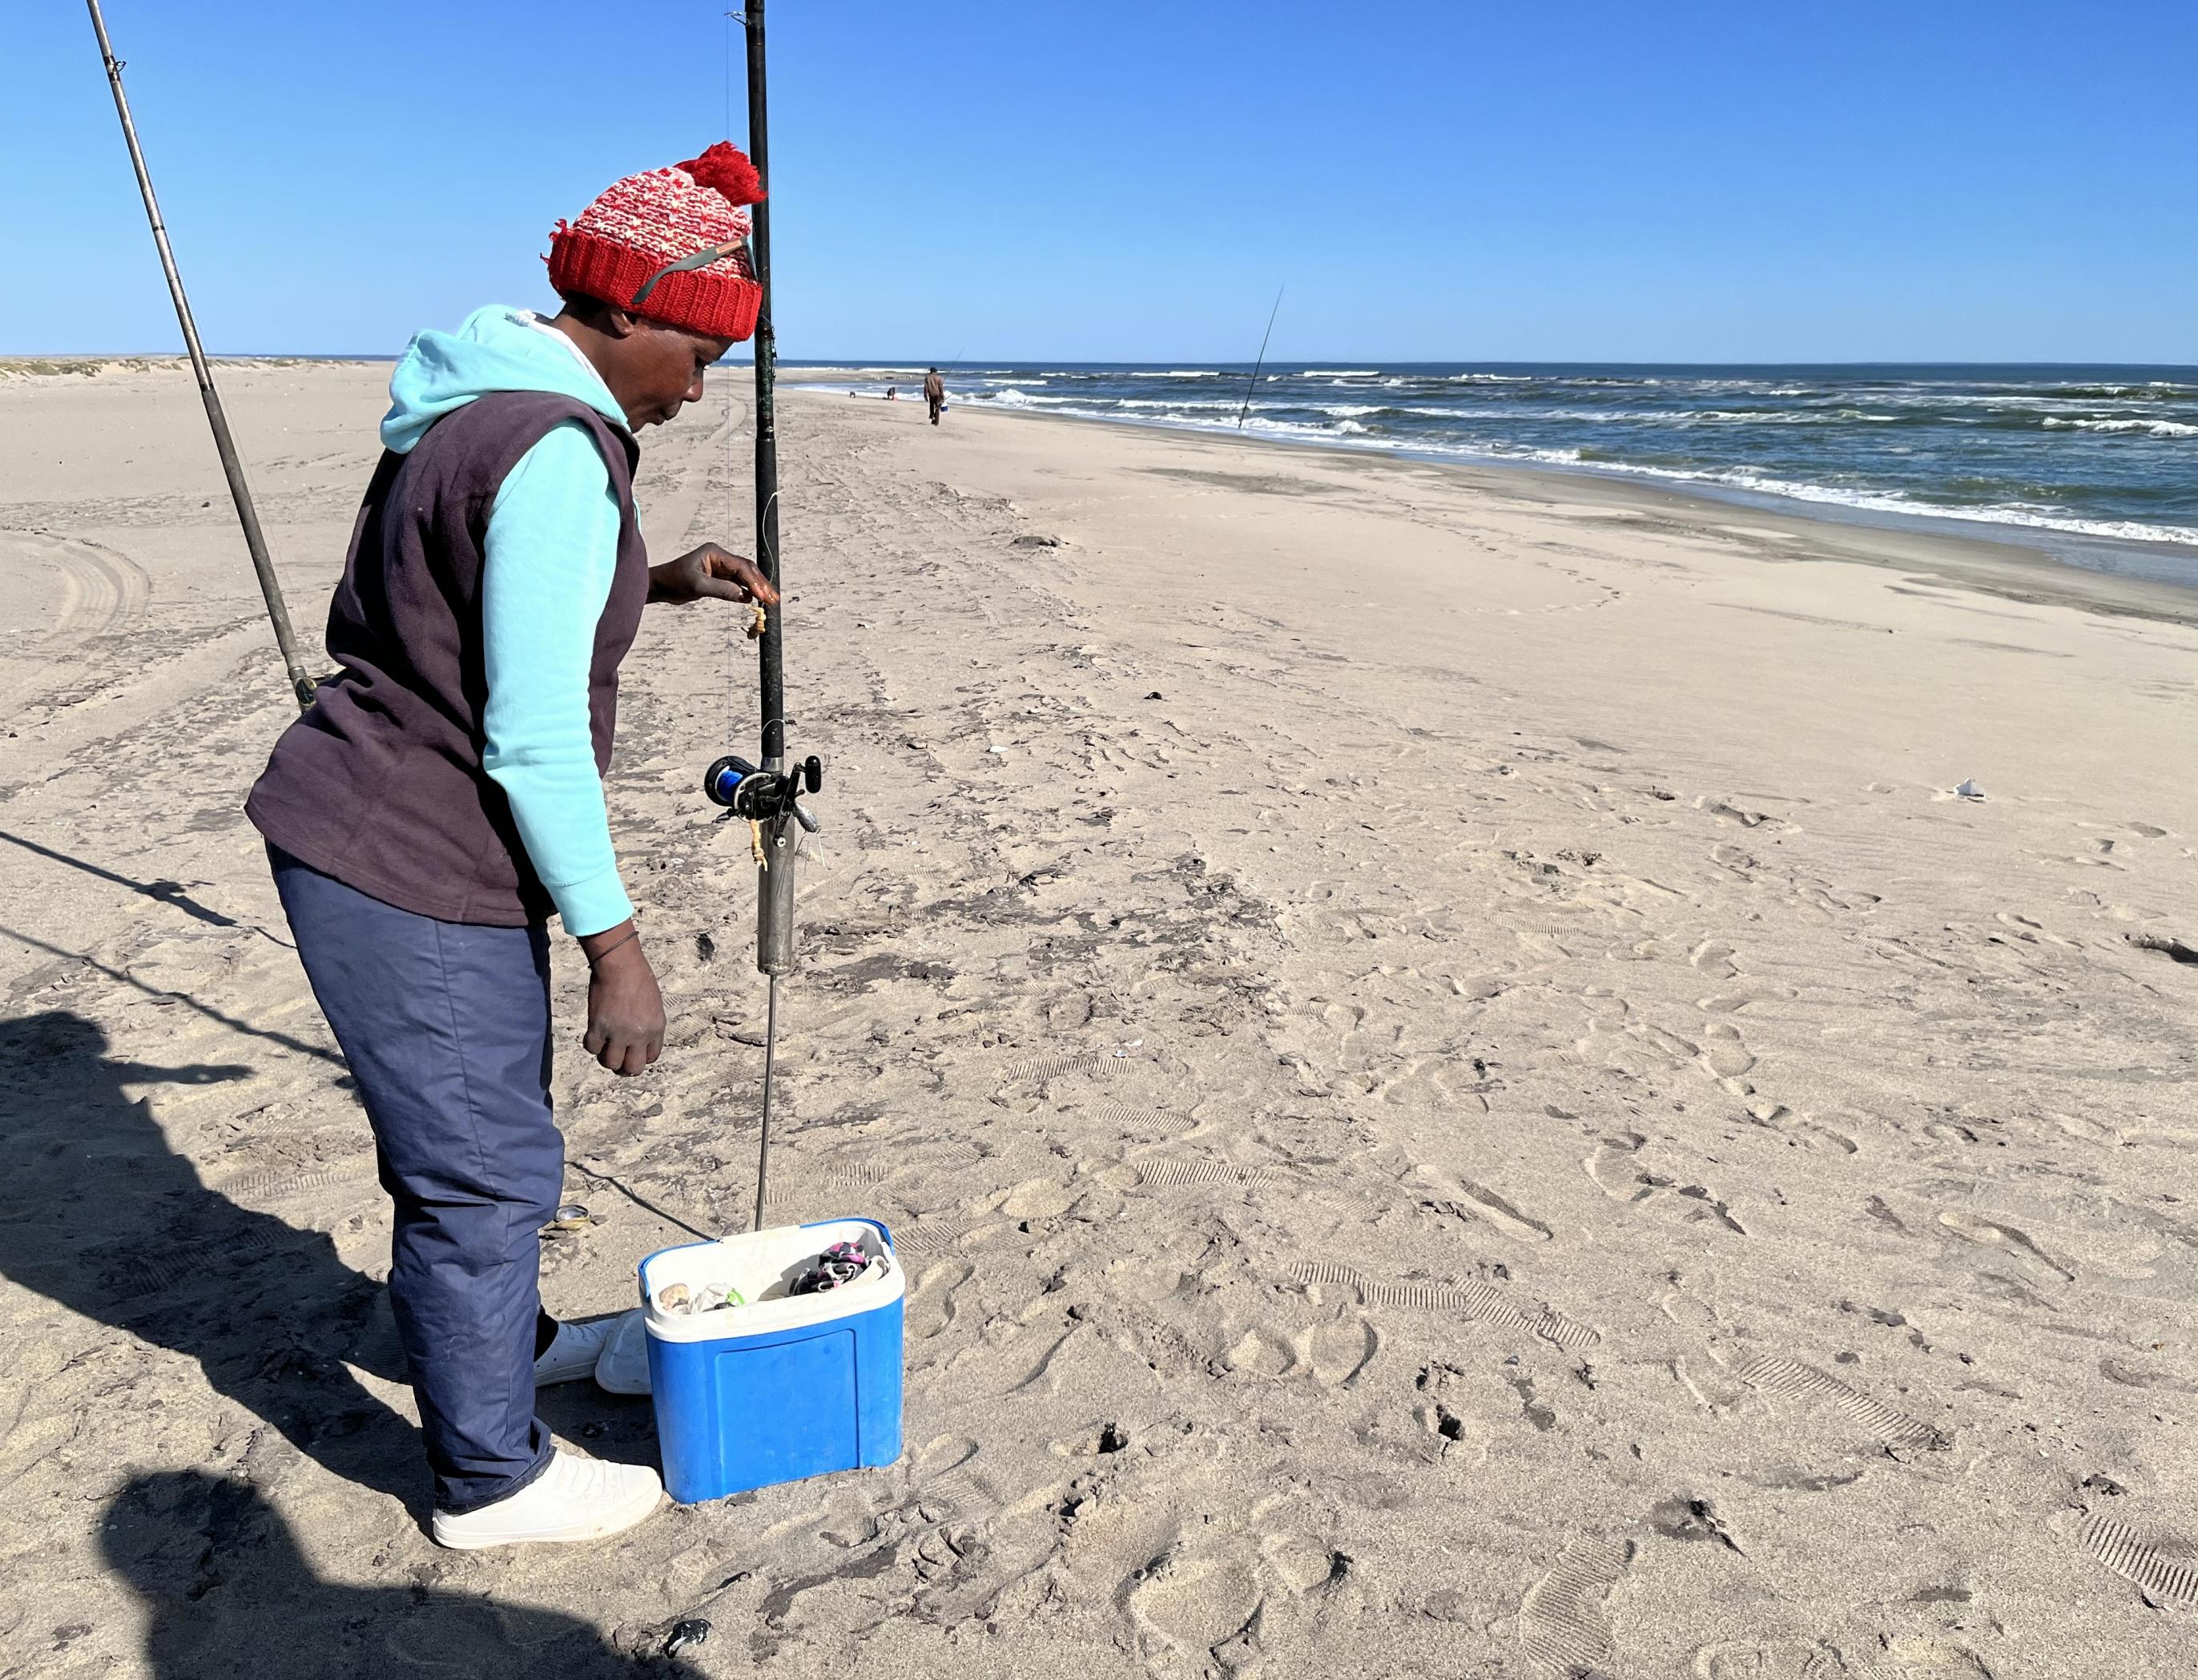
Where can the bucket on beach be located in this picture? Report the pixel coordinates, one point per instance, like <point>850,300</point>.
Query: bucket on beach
<point>786,1386</point>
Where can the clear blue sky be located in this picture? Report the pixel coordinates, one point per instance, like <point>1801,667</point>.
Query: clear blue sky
<point>1463,179</point>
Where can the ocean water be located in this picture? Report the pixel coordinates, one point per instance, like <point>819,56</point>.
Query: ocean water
<point>2098,465</point>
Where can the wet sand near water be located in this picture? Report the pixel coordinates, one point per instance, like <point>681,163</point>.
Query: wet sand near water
<point>1459,1095</point>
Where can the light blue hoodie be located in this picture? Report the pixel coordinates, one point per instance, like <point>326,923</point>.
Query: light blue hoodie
<point>552,551</point>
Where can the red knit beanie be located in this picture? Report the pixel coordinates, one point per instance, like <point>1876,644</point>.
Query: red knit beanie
<point>649,221</point>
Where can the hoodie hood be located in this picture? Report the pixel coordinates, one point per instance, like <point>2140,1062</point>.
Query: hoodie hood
<point>498,348</point>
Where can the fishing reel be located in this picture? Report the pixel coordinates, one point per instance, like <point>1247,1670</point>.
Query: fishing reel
<point>764,795</point>
<point>766,799</point>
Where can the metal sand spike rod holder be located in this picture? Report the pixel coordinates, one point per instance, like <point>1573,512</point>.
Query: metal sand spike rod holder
<point>767,794</point>
<point>301,684</point>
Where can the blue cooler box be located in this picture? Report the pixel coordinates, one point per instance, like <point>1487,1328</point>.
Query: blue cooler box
<point>788,1385</point>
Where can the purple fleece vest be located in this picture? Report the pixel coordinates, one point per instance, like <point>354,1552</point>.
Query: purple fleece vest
<point>381,783</point>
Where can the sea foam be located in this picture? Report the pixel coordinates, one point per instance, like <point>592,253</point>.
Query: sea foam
<point>2096,453</point>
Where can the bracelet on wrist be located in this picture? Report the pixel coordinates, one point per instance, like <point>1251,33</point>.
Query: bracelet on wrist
<point>613,947</point>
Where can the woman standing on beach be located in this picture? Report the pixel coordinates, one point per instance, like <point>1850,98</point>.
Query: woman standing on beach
<point>444,795</point>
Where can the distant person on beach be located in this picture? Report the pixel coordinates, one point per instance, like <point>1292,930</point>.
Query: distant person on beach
<point>934,394</point>
<point>892,394</point>
<point>444,796</point>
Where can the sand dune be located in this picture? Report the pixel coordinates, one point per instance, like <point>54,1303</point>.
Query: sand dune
<point>1461,1095</point>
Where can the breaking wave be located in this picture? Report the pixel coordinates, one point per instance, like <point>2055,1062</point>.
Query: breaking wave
<point>2104,453</point>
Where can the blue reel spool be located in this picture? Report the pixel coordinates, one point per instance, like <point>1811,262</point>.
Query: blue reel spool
<point>763,796</point>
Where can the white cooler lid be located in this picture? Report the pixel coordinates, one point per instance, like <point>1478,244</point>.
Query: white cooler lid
<point>761,1265</point>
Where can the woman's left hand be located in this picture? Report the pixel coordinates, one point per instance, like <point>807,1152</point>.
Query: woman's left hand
<point>711,573</point>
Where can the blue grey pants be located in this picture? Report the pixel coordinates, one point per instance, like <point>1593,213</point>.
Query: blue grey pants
<point>446,1028</point>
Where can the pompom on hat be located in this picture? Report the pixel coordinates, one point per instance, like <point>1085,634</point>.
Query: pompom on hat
<point>626,249</point>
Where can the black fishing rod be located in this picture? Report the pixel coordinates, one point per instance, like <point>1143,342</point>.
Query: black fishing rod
<point>767,794</point>
<point>766,437</point>
<point>1251,384</point>
<point>240,492</point>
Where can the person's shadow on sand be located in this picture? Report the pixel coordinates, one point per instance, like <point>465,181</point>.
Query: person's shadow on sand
<point>226,1593</point>
<point>99,1215</point>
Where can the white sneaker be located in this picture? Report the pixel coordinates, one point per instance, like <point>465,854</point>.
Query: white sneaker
<point>573,1353</point>
<point>574,1499</point>
<point>624,1368</point>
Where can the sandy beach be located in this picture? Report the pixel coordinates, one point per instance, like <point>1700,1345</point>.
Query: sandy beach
<point>1461,1096</point>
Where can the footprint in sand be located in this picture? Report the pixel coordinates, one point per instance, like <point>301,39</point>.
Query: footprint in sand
<point>1784,1661</point>
<point>1453,1439</point>
<point>1714,958</point>
<point>944,1468</point>
<point>1612,1169</point>
<point>1164,1172</point>
<point>1790,1660</point>
<point>1774,1376</point>
<point>1777,1117</point>
<point>1260,1352</point>
<point>930,1308</point>
<point>2163,1579</point>
<point>1336,1353</point>
<point>2030,932</point>
<point>1617,1176</point>
<point>1303,1563</point>
<point>1907,1658</point>
<point>1846,900</point>
<point>1690,1302</point>
<point>1563,1624</point>
<point>2142,1130</point>
<point>2009,1239</point>
<point>1706,1384</point>
<point>1039,1199</point>
<point>1495,1209</point>
<point>1137,1125</point>
<point>1638,1050</point>
<point>937,1236</point>
<point>1722,1052</point>
<point>1472,1299</point>
<point>1731,812</point>
<point>274,1183</point>
<point>1445,1399</point>
<point>1681,1050</point>
<point>1040,1070</point>
<point>1735,861</point>
<point>1447,1080</point>
<point>1200,1603</point>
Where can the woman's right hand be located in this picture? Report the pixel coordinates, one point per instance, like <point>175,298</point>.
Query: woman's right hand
<point>626,1010</point>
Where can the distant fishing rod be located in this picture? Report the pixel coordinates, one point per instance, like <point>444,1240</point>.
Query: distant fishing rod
<point>1251,384</point>
<point>271,591</point>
